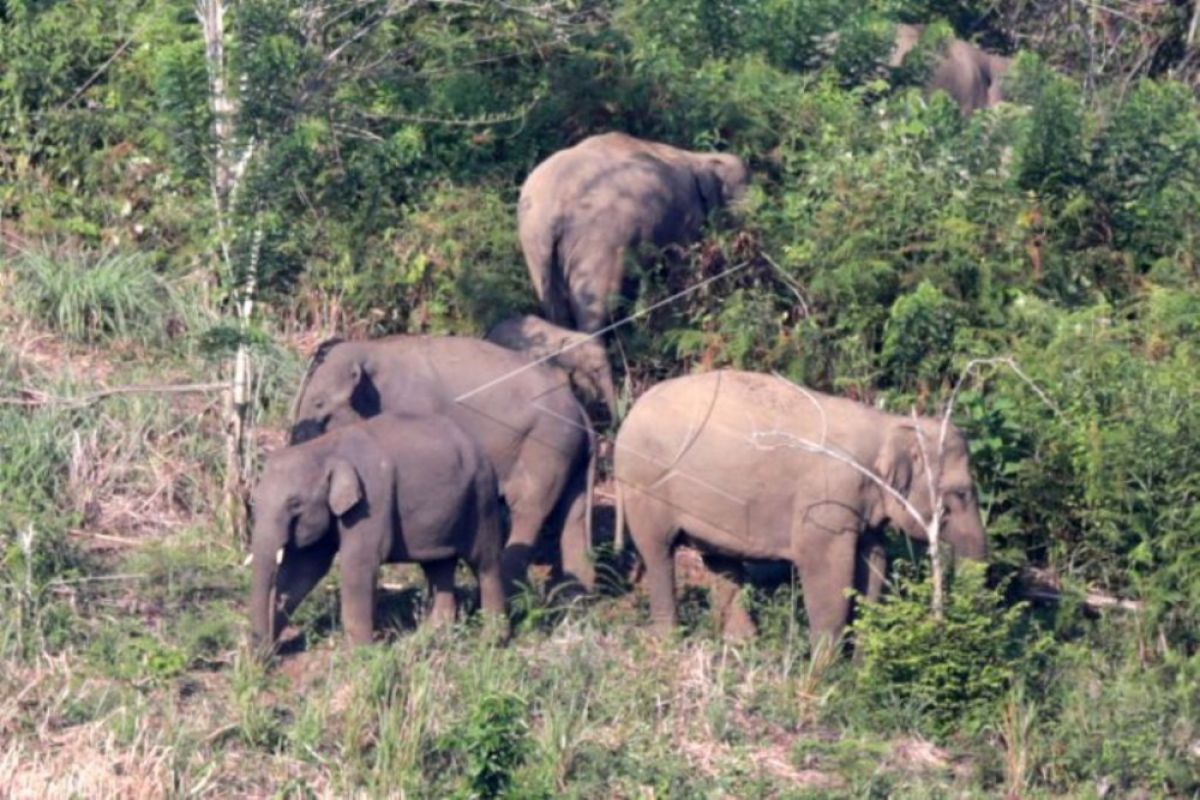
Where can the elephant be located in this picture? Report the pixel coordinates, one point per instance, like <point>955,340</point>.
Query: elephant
<point>726,461</point>
<point>382,490</point>
<point>971,76</point>
<point>523,415</point>
<point>581,355</point>
<point>582,208</point>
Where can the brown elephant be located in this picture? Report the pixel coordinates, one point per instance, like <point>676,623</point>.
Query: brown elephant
<point>383,490</point>
<point>582,356</point>
<point>971,76</point>
<point>523,415</point>
<point>583,208</point>
<point>724,461</point>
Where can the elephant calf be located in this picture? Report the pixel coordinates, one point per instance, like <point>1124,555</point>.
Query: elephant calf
<point>582,356</point>
<point>388,489</point>
<point>725,461</point>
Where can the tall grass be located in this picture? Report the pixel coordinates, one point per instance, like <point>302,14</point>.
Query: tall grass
<point>95,296</point>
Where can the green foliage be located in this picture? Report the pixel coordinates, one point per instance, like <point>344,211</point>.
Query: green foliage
<point>450,266</point>
<point>1052,155</point>
<point>920,326</point>
<point>952,673</point>
<point>1118,719</point>
<point>91,297</point>
<point>495,740</point>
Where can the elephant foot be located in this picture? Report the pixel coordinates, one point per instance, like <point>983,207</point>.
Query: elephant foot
<point>664,628</point>
<point>738,627</point>
<point>496,630</point>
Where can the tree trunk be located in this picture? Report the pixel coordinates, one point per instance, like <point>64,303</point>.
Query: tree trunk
<point>226,176</point>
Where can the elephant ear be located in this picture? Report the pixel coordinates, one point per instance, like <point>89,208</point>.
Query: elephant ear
<point>901,459</point>
<point>708,186</point>
<point>345,490</point>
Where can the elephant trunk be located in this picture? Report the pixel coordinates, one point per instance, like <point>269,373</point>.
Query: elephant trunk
<point>968,538</point>
<point>264,600</point>
<point>609,392</point>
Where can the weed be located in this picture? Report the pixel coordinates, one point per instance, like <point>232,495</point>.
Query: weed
<point>90,297</point>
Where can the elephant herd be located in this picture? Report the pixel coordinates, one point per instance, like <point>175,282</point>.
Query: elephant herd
<point>436,449</point>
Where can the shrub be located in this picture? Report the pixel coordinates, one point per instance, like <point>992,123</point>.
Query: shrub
<point>950,674</point>
<point>495,741</point>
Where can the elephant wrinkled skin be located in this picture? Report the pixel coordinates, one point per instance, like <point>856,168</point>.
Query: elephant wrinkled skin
<point>388,489</point>
<point>582,208</point>
<point>523,415</point>
<point>719,460</point>
<point>582,355</point>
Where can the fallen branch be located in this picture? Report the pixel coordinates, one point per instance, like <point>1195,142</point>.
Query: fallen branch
<point>1039,584</point>
<point>35,397</point>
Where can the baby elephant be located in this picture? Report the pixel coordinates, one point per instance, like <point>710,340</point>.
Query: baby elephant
<point>383,490</point>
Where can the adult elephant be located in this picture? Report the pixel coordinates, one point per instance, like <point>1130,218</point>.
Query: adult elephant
<point>581,209</point>
<point>971,76</point>
<point>521,413</point>
<point>726,461</point>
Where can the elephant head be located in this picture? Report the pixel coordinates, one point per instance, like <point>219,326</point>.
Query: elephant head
<point>295,507</point>
<point>581,355</point>
<point>722,179</point>
<point>337,388</point>
<point>909,462</point>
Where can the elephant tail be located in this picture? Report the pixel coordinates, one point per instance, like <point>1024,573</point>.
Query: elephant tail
<point>590,485</point>
<point>539,233</point>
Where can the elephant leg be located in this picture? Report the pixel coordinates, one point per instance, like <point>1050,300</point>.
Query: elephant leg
<point>440,575</point>
<point>653,529</point>
<point>594,276</point>
<point>359,578</point>
<point>728,576</point>
<point>492,598</point>
<point>300,571</point>
<point>872,567</point>
<point>574,562</point>
<point>870,574</point>
<point>826,565</point>
<point>532,492</point>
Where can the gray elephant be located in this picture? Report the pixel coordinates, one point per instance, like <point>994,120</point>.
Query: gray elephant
<point>523,415</point>
<point>581,355</point>
<point>388,489</point>
<point>725,461</point>
<point>581,209</point>
<point>971,76</point>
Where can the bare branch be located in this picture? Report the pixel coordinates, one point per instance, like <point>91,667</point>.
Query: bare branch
<point>36,398</point>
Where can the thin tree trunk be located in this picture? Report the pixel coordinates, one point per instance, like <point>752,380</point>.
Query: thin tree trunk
<point>227,173</point>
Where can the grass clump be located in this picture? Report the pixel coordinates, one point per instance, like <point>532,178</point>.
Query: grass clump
<point>92,297</point>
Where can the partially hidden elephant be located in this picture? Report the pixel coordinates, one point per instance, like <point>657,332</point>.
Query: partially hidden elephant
<point>581,355</point>
<point>383,490</point>
<point>522,414</point>
<point>584,207</point>
<point>726,461</point>
<point>971,76</point>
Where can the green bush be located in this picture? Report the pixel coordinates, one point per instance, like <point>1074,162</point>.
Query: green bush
<point>495,741</point>
<point>950,674</point>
